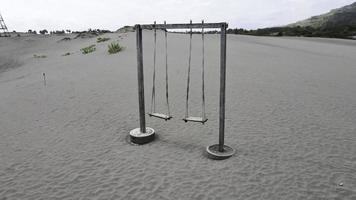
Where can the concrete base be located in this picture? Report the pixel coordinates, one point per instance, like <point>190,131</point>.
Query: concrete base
<point>214,153</point>
<point>137,137</point>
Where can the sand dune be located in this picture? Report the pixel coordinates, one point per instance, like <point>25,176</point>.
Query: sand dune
<point>291,116</point>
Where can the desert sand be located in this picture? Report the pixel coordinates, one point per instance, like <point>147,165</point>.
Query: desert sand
<point>291,116</point>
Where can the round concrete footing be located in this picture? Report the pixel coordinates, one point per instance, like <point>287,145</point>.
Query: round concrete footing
<point>214,153</point>
<point>137,137</point>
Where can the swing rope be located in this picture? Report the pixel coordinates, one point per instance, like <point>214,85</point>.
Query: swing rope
<point>203,118</point>
<point>153,99</point>
<point>188,79</point>
<point>202,74</point>
<point>167,99</point>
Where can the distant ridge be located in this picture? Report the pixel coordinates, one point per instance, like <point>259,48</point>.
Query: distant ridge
<point>344,16</point>
<point>338,23</point>
<point>125,29</point>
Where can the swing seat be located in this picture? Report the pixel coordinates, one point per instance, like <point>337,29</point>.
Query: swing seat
<point>161,116</point>
<point>195,119</point>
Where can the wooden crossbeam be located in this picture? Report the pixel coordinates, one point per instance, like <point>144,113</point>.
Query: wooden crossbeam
<point>183,26</point>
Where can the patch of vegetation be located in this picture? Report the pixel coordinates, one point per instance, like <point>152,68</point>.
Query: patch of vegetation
<point>88,49</point>
<point>66,54</point>
<point>43,32</point>
<point>99,39</point>
<point>65,39</point>
<point>114,48</point>
<point>86,35</point>
<point>39,56</point>
<point>90,33</point>
<point>57,32</point>
<point>345,32</point>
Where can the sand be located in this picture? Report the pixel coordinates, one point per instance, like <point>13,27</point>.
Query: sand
<point>291,116</point>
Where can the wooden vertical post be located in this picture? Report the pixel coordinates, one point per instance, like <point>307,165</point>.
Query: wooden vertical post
<point>222,88</point>
<point>140,78</point>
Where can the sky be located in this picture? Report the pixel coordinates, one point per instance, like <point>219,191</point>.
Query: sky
<point>22,15</point>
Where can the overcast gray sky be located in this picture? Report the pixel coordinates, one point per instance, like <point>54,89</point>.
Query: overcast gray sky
<point>22,15</point>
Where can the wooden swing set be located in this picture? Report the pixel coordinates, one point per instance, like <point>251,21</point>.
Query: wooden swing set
<point>145,134</point>
<point>168,116</point>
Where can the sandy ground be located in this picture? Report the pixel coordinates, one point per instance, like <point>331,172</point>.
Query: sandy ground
<point>291,116</point>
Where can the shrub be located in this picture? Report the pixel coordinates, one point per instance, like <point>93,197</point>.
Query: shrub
<point>43,32</point>
<point>99,39</point>
<point>65,39</point>
<point>114,48</point>
<point>88,49</point>
<point>58,32</point>
<point>39,56</point>
<point>85,34</point>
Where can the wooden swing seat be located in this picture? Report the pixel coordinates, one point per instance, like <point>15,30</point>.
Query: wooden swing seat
<point>161,116</point>
<point>195,119</point>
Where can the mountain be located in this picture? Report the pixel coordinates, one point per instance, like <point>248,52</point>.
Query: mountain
<point>338,23</point>
<point>345,16</point>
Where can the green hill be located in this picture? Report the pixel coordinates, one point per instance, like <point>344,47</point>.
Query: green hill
<point>345,16</point>
<point>338,23</point>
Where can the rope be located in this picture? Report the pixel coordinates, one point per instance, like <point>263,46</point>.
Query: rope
<point>202,74</point>
<point>153,100</point>
<point>188,79</point>
<point>168,109</point>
